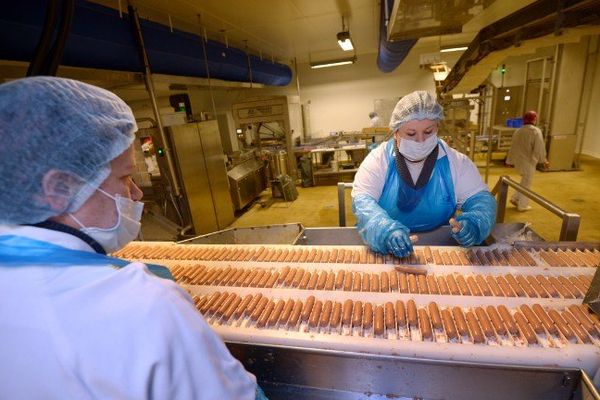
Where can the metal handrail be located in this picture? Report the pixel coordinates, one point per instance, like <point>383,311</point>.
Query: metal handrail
<point>341,188</point>
<point>570,221</point>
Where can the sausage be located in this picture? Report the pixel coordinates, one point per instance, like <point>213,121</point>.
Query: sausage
<point>368,316</point>
<point>506,288</point>
<point>424,324</point>
<point>375,283</point>
<point>339,279</point>
<point>473,286</point>
<point>432,284</point>
<point>330,281</point>
<point>385,282</point>
<point>443,286</point>
<point>266,315</point>
<point>496,291</point>
<point>536,286</point>
<point>461,323</point>
<point>311,256</point>
<point>529,290</point>
<point>257,278</point>
<point>390,316</point>
<point>575,327</point>
<point>263,281</point>
<point>303,284</point>
<point>276,314</point>
<point>393,281</point>
<point>434,313</point>
<point>378,326</point>
<point>452,286</point>
<point>324,256</point>
<point>284,274</point>
<point>312,283</point>
<point>356,282</point>
<point>287,311</point>
<point>308,306</point>
<point>525,328</point>
<point>333,256</point>
<point>260,307</point>
<point>315,316</point>
<point>412,284</point>
<point>422,281</point>
<point>561,289</point>
<point>347,312</point>
<point>296,312</point>
<point>547,286</point>
<point>400,313</point>
<point>304,255</point>
<point>272,279</point>
<point>357,314</point>
<point>476,332</point>
<point>366,282</point>
<point>225,304</point>
<point>412,313</point>
<point>411,270</point>
<point>515,285</point>
<point>284,254</point>
<point>508,320</point>
<point>545,319</point>
<point>428,255</point>
<point>326,314</point>
<point>449,326</point>
<point>242,307</point>
<point>402,282</point>
<point>533,320</point>
<point>462,285</point>
<point>570,288</point>
<point>496,320</point>
<point>454,257</point>
<point>209,303</point>
<point>235,280</point>
<point>485,288</point>
<point>561,324</point>
<point>583,319</point>
<point>322,280</point>
<point>484,322</point>
<point>436,257</point>
<point>348,281</point>
<point>298,277</point>
<point>336,316</point>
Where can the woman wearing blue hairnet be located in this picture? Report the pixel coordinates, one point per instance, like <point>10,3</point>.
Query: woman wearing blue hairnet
<point>415,182</point>
<point>75,322</point>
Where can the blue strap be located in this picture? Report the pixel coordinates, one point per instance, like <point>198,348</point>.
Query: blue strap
<point>18,250</point>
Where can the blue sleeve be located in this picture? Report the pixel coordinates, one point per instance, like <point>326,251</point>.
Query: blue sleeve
<point>374,224</point>
<point>477,219</point>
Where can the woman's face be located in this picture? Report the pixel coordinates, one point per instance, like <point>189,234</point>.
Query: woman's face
<point>417,130</point>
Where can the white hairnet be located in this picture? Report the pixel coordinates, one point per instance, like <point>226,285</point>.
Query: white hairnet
<point>55,124</point>
<point>416,105</point>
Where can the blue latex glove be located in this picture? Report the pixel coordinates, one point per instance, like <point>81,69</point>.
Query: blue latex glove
<point>477,219</point>
<point>260,395</point>
<point>380,232</point>
<point>399,243</point>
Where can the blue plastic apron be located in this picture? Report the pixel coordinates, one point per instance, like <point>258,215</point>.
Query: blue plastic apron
<point>18,250</point>
<point>435,202</point>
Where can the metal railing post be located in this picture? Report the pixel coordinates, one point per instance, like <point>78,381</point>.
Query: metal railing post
<point>502,195</point>
<point>570,227</point>
<point>341,189</point>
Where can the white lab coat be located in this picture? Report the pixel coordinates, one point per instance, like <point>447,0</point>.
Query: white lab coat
<point>94,332</point>
<point>370,177</point>
<point>527,149</point>
<point>376,122</point>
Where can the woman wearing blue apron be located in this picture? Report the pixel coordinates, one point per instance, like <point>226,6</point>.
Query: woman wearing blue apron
<point>415,182</point>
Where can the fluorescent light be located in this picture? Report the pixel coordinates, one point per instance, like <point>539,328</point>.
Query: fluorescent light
<point>333,63</point>
<point>456,48</point>
<point>344,41</point>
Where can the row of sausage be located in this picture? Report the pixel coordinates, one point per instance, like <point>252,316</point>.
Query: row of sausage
<point>422,256</point>
<point>526,325</point>
<point>507,285</point>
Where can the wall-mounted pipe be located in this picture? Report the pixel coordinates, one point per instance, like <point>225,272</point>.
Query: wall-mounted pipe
<point>391,54</point>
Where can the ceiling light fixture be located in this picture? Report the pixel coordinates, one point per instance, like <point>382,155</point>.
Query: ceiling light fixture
<point>453,48</point>
<point>333,63</point>
<point>343,38</point>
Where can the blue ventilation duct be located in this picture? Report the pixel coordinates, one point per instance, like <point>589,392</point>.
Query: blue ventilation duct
<point>391,54</point>
<point>99,38</point>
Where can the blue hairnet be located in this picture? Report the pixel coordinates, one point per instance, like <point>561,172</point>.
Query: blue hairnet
<point>416,105</point>
<point>55,124</point>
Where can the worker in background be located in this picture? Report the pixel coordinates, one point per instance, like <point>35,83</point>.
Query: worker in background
<point>527,150</point>
<point>74,322</point>
<point>415,182</point>
<point>375,120</point>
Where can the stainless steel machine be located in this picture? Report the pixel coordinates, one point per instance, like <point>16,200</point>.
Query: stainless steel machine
<point>340,322</point>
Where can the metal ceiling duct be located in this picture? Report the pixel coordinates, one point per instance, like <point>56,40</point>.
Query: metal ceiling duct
<point>391,54</point>
<point>100,38</point>
<point>542,18</point>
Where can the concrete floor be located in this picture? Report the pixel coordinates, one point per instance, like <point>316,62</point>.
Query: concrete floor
<point>574,191</point>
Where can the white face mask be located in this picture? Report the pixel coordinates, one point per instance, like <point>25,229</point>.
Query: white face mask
<point>417,151</point>
<point>125,230</point>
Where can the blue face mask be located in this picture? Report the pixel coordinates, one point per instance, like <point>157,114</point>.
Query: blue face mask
<point>417,151</point>
<point>125,230</point>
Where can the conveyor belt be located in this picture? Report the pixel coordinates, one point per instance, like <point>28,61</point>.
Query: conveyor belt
<point>490,305</point>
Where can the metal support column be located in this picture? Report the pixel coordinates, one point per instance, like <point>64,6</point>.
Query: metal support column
<point>135,21</point>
